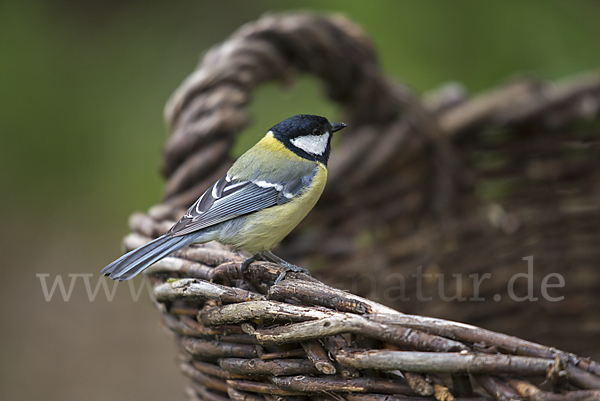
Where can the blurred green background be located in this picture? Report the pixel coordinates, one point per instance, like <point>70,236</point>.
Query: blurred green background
<point>82,88</point>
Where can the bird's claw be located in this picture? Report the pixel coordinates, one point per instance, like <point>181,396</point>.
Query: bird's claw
<point>288,267</point>
<point>246,262</point>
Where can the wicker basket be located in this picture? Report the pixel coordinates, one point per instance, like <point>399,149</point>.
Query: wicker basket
<point>243,338</point>
<point>424,198</point>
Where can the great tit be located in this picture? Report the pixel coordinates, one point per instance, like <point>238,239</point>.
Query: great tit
<point>263,196</point>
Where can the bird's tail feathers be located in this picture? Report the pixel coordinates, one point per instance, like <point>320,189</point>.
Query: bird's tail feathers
<point>132,263</point>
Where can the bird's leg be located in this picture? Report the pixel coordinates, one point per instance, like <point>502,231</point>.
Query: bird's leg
<point>247,262</point>
<point>287,267</point>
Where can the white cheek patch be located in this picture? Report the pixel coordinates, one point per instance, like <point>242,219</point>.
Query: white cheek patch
<point>315,144</point>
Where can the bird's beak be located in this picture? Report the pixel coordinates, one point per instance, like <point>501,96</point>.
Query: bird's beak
<point>337,126</point>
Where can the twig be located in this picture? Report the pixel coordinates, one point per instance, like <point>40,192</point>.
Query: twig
<point>238,338</point>
<point>200,290</point>
<point>582,378</point>
<point>261,387</point>
<point>226,333</point>
<point>386,397</point>
<point>207,255</point>
<point>350,323</point>
<point>427,362</point>
<point>186,326</point>
<point>237,395</point>
<point>334,345</point>
<point>277,367</point>
<point>270,311</point>
<point>589,366</point>
<point>317,354</point>
<point>334,384</point>
<point>211,350</point>
<point>282,354</point>
<point>497,388</point>
<point>532,393</point>
<point>177,326</point>
<point>321,294</point>
<point>473,334</point>
<point>173,265</point>
<point>216,371</point>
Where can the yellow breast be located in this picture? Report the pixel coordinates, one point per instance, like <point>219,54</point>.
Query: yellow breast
<point>265,228</point>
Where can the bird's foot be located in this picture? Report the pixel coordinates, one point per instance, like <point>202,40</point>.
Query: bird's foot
<point>270,257</point>
<point>286,266</point>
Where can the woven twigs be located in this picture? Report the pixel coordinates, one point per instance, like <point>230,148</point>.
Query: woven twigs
<point>301,338</point>
<point>280,340</point>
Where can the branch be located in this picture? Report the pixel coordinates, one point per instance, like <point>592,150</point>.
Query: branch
<point>270,311</point>
<point>211,350</point>
<point>474,335</point>
<point>200,290</point>
<point>320,294</point>
<point>333,384</point>
<point>317,355</point>
<point>532,393</point>
<point>350,323</point>
<point>275,367</point>
<point>428,362</point>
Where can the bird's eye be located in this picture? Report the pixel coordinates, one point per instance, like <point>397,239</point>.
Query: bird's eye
<point>316,131</point>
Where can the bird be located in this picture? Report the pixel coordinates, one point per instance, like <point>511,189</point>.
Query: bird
<point>263,196</point>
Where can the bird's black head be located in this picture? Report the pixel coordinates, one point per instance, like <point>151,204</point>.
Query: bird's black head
<point>307,136</point>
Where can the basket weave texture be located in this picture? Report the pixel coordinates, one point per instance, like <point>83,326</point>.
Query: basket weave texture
<point>444,183</point>
<point>242,338</point>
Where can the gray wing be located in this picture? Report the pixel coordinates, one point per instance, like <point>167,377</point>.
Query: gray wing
<point>230,198</point>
